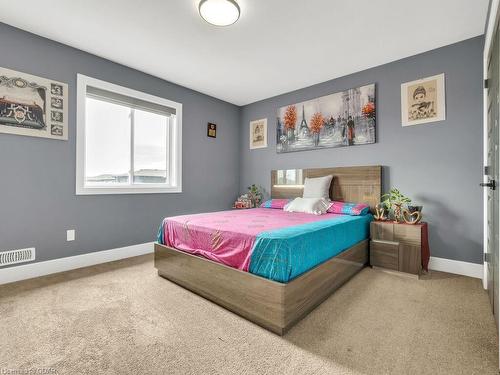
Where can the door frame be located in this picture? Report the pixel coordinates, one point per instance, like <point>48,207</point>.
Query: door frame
<point>492,21</point>
<point>493,18</point>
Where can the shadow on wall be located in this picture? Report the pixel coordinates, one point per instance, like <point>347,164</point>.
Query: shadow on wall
<point>456,226</point>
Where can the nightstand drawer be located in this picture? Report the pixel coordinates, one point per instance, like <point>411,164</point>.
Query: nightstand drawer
<point>409,234</point>
<point>410,260</point>
<point>384,254</point>
<point>381,231</point>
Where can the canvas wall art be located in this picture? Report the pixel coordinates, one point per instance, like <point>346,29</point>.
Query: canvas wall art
<point>33,106</point>
<point>342,119</point>
<point>423,101</point>
<point>258,134</point>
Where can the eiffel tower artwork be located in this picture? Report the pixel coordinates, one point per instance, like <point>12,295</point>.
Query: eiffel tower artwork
<point>341,119</point>
<point>303,128</point>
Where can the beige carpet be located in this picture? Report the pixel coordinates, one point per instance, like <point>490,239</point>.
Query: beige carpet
<point>121,318</point>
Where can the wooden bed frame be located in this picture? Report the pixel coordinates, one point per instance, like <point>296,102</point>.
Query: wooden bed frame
<point>273,305</point>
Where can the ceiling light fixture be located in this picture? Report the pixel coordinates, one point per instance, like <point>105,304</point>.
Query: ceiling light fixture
<point>219,12</point>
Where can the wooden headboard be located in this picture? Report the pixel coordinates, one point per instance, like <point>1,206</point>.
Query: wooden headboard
<point>349,184</point>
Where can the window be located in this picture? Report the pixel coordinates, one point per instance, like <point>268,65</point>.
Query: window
<point>291,177</point>
<point>127,141</point>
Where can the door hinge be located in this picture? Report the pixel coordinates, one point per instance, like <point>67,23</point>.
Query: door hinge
<point>485,83</point>
<point>487,257</point>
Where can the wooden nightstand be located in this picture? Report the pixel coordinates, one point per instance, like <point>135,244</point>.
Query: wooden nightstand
<point>399,247</point>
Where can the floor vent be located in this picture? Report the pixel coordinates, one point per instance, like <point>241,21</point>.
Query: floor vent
<point>16,256</point>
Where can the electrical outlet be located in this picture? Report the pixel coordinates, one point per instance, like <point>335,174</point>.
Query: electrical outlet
<point>70,235</point>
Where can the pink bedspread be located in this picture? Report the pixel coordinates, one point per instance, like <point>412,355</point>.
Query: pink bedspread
<point>228,237</point>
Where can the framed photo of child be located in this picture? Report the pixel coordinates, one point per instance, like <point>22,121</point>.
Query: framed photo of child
<point>423,101</point>
<point>258,134</point>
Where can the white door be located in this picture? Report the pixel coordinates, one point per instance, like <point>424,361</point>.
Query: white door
<point>491,172</point>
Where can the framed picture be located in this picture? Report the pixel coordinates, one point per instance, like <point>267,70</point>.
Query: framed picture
<point>341,119</point>
<point>423,101</point>
<point>211,130</point>
<point>33,106</point>
<point>258,134</point>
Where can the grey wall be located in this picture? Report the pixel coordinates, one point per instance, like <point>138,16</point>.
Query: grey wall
<point>437,164</point>
<point>37,176</point>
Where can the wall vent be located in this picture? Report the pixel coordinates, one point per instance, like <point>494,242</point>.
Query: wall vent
<point>16,256</point>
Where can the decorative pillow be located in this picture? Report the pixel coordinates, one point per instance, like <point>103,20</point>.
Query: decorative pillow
<point>316,206</point>
<point>318,187</point>
<point>353,209</point>
<point>275,203</point>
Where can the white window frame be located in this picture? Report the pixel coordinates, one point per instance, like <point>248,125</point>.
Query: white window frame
<point>174,152</point>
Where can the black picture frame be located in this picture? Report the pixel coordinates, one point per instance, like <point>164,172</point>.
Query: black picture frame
<point>211,130</point>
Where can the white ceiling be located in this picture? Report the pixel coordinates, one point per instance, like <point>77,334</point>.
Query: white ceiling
<point>277,45</point>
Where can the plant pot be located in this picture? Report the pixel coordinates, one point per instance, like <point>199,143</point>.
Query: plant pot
<point>412,214</point>
<point>397,212</point>
<point>290,134</point>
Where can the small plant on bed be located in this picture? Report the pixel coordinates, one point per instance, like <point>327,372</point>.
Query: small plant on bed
<point>255,195</point>
<point>394,201</point>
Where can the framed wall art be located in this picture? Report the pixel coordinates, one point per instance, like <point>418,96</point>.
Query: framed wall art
<point>33,106</point>
<point>212,130</point>
<point>342,119</point>
<point>423,101</point>
<point>258,134</point>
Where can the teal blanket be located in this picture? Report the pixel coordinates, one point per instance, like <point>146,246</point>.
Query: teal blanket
<point>283,254</point>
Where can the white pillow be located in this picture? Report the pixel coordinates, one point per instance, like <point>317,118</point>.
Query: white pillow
<point>316,206</point>
<point>318,187</point>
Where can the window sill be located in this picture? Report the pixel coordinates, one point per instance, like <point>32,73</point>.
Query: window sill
<point>126,190</point>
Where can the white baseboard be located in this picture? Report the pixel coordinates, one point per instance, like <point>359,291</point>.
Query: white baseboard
<point>29,271</point>
<point>457,267</point>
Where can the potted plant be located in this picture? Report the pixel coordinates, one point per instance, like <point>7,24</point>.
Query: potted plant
<point>316,122</point>
<point>255,195</point>
<point>289,120</point>
<point>395,200</point>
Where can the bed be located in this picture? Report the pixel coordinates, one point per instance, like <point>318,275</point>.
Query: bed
<point>271,266</point>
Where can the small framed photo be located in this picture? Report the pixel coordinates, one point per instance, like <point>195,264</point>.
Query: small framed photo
<point>423,101</point>
<point>211,130</point>
<point>258,134</point>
